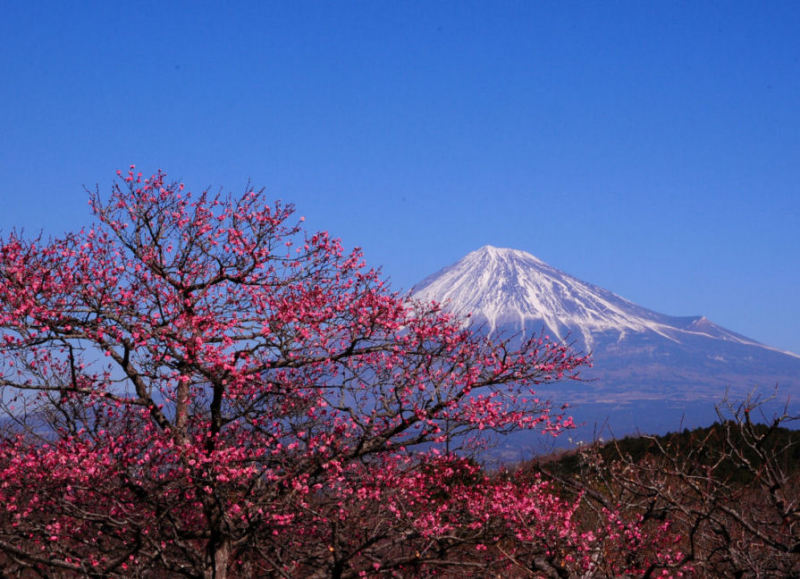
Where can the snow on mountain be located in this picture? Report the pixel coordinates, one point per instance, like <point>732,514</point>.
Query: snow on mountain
<point>513,290</point>
<point>651,372</point>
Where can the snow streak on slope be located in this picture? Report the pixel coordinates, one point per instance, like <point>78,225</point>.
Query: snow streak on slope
<point>513,289</point>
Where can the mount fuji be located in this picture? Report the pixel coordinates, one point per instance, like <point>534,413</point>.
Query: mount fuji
<point>650,370</point>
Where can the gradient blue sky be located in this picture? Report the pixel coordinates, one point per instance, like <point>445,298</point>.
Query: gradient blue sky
<point>652,148</point>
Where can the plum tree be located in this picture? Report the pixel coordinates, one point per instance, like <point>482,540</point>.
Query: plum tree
<point>197,387</point>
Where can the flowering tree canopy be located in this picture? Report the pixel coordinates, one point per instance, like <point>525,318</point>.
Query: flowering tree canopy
<point>195,386</point>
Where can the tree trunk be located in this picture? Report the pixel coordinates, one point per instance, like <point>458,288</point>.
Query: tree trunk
<point>219,553</point>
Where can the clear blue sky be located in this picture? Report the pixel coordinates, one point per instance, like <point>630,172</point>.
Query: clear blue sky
<point>652,148</point>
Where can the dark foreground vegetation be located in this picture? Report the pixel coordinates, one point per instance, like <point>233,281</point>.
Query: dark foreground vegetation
<point>731,491</point>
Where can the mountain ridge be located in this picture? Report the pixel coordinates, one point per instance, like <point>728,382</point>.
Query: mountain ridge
<point>651,371</point>
<point>495,285</point>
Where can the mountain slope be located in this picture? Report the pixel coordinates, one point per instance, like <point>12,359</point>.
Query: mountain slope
<point>638,354</point>
<point>510,289</point>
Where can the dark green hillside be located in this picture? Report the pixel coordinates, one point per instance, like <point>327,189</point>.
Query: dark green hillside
<point>704,445</point>
<point>730,490</point>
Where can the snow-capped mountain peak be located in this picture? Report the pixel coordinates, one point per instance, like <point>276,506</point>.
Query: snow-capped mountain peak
<point>650,370</point>
<point>518,292</point>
